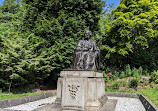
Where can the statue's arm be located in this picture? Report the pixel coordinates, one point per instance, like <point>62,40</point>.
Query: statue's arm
<point>78,46</point>
<point>95,47</point>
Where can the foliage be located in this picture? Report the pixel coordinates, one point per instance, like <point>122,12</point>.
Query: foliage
<point>128,71</point>
<point>116,85</point>
<point>20,65</point>
<point>61,24</point>
<point>154,77</point>
<point>111,73</point>
<point>134,82</point>
<point>10,6</point>
<point>131,38</point>
<point>37,38</point>
<point>122,75</point>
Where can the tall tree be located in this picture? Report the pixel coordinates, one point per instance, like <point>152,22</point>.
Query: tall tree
<point>131,36</point>
<point>10,6</point>
<point>49,30</point>
<point>61,23</point>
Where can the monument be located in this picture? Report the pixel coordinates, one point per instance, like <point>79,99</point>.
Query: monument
<point>82,88</point>
<point>86,54</point>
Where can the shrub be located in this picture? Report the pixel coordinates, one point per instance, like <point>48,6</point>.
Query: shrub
<point>122,75</point>
<point>145,72</point>
<point>146,83</point>
<point>135,72</point>
<point>116,85</point>
<point>123,83</point>
<point>111,73</point>
<point>128,71</point>
<point>140,70</point>
<point>134,82</point>
<point>154,77</point>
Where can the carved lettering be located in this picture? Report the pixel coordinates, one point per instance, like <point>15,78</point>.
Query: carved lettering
<point>73,90</point>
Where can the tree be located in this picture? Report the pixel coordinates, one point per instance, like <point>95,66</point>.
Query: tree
<point>132,34</point>
<point>61,23</point>
<point>37,42</point>
<point>10,6</point>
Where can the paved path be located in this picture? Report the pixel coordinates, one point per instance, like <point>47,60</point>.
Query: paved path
<point>33,105</point>
<point>128,104</point>
<point>123,104</point>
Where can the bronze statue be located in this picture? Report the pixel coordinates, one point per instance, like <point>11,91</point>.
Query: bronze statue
<point>86,56</point>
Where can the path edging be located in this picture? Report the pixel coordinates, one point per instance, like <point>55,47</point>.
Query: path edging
<point>26,99</point>
<point>148,105</point>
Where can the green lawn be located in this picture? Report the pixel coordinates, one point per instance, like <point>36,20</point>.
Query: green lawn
<point>4,96</point>
<point>151,94</point>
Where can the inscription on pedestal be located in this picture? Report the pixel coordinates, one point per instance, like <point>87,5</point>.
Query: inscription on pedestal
<point>73,90</point>
<point>73,94</point>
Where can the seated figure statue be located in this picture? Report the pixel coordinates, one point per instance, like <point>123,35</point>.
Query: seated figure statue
<point>86,55</point>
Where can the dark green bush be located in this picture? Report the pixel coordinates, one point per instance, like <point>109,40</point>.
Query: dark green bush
<point>154,77</point>
<point>134,82</point>
<point>116,85</point>
<point>122,75</point>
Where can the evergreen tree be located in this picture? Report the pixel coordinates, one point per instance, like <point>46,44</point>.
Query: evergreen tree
<point>61,23</point>
<point>38,38</point>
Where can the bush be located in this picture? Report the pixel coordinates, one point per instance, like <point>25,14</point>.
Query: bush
<point>140,70</point>
<point>128,71</point>
<point>116,85</point>
<point>146,83</point>
<point>154,77</point>
<point>124,84</point>
<point>134,71</point>
<point>122,75</point>
<point>134,82</point>
<point>145,72</point>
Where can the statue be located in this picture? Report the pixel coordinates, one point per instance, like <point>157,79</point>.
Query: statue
<point>86,54</point>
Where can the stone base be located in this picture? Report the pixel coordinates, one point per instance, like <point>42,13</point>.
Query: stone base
<point>108,106</point>
<point>81,91</point>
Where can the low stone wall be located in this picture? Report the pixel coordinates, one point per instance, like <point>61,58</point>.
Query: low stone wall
<point>26,99</point>
<point>148,105</point>
<point>118,94</point>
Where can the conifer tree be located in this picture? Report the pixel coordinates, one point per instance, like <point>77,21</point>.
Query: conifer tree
<point>61,23</point>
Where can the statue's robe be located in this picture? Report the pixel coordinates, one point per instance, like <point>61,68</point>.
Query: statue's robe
<point>86,56</point>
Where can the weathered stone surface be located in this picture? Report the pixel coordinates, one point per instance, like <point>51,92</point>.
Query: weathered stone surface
<point>4,104</point>
<point>73,93</point>
<point>76,73</point>
<point>117,94</point>
<point>108,106</point>
<point>59,89</point>
<point>81,90</point>
<point>22,100</point>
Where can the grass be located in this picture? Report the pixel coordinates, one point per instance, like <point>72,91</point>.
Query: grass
<point>4,96</point>
<point>151,94</point>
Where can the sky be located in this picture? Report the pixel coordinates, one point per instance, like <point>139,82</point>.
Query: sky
<point>1,2</point>
<point>115,2</point>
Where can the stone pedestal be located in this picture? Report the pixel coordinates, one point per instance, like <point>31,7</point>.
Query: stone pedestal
<point>81,90</point>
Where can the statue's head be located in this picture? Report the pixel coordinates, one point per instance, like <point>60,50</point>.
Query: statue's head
<point>88,34</point>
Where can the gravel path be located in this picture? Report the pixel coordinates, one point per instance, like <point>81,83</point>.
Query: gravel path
<point>123,104</point>
<point>128,104</point>
<point>33,105</point>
